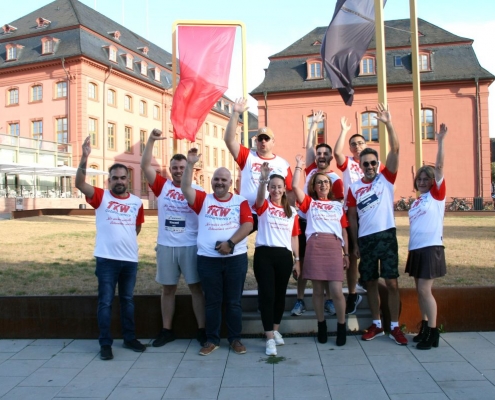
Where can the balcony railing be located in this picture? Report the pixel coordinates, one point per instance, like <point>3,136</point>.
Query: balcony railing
<point>30,143</point>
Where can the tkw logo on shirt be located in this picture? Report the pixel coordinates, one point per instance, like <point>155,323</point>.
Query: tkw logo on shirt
<point>277,213</point>
<point>218,211</point>
<point>256,167</point>
<point>363,190</point>
<point>173,194</point>
<point>120,208</point>
<point>322,206</point>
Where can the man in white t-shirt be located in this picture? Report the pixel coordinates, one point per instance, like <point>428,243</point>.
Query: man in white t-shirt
<point>176,247</point>
<point>224,222</point>
<point>250,161</point>
<point>351,172</point>
<point>318,158</point>
<point>370,200</point>
<point>119,216</point>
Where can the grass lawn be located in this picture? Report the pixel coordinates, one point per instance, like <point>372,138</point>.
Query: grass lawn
<point>52,255</point>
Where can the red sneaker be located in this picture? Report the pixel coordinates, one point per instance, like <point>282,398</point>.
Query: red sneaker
<point>372,332</point>
<point>397,335</point>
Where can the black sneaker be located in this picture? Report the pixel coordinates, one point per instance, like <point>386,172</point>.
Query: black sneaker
<point>353,300</point>
<point>165,336</point>
<point>106,352</point>
<point>201,338</point>
<point>134,345</point>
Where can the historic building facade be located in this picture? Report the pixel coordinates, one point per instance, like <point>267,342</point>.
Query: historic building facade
<point>454,90</point>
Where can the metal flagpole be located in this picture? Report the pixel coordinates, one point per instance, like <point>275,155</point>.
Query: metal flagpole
<point>418,141</point>
<point>381,72</point>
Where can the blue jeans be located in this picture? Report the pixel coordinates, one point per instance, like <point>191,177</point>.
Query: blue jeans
<point>109,273</point>
<point>222,278</point>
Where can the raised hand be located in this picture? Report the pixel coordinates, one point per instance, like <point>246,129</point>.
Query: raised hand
<point>300,161</point>
<point>193,156</point>
<point>156,134</point>
<point>86,147</point>
<point>265,171</point>
<point>345,125</point>
<point>443,132</point>
<point>240,105</point>
<point>318,116</point>
<point>383,114</point>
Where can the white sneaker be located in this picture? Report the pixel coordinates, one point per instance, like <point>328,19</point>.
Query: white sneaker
<point>279,340</point>
<point>271,348</point>
<point>359,288</point>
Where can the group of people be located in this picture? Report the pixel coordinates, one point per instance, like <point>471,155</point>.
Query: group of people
<point>316,233</point>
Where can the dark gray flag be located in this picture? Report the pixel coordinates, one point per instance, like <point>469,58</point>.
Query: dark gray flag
<point>345,42</point>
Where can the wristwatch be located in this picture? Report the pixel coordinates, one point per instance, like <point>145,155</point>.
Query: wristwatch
<point>231,243</point>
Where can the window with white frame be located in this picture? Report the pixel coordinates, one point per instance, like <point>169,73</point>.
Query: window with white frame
<point>112,53</point>
<point>13,96</point>
<point>367,66</point>
<point>144,68</point>
<point>427,124</point>
<point>128,61</point>
<point>36,93</point>
<point>369,126</point>
<point>37,128</point>
<point>128,139</point>
<point>111,97</point>
<point>314,69</point>
<point>424,62</point>
<point>61,89</point>
<point>62,131</point>
<point>93,131</point>
<point>14,129</point>
<point>142,141</point>
<point>92,91</point>
<point>142,108</point>
<point>12,53</point>
<point>157,74</point>
<point>320,129</point>
<point>127,102</point>
<point>156,112</point>
<point>111,136</point>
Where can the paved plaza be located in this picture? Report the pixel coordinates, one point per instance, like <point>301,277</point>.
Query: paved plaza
<point>462,367</point>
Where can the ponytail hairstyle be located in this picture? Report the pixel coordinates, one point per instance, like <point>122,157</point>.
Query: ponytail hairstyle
<point>284,201</point>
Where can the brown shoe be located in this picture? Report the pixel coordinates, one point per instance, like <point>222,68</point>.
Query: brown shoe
<point>238,347</point>
<point>208,348</point>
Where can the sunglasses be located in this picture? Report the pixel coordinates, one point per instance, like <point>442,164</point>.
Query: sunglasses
<point>366,164</point>
<point>264,138</point>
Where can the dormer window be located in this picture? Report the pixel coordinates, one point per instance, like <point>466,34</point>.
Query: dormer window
<point>116,34</point>
<point>7,29</point>
<point>157,74</point>
<point>42,22</point>
<point>144,50</point>
<point>12,51</point>
<point>48,45</point>
<point>314,69</point>
<point>128,61</point>
<point>424,62</point>
<point>367,66</point>
<point>112,53</point>
<point>317,43</point>
<point>144,68</point>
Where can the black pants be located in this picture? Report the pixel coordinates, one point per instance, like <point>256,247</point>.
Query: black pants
<point>272,269</point>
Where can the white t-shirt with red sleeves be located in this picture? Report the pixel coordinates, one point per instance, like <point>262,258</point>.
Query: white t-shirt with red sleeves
<point>274,228</point>
<point>351,172</point>
<point>218,220</point>
<point>116,220</point>
<point>250,164</point>
<point>324,216</point>
<point>177,223</point>
<point>426,218</point>
<point>374,202</point>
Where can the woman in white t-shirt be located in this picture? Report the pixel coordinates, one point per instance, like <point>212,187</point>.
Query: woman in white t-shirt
<point>327,249</point>
<point>276,241</point>
<point>426,258</point>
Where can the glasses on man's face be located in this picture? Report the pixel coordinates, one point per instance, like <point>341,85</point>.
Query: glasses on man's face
<point>356,144</point>
<point>322,182</point>
<point>366,164</point>
<point>263,138</point>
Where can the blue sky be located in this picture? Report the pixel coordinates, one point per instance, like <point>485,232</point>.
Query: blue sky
<point>272,25</point>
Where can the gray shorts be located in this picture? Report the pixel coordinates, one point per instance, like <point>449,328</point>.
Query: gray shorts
<point>172,261</point>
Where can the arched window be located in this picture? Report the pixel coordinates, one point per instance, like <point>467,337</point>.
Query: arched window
<point>315,70</point>
<point>127,103</point>
<point>369,126</point>
<point>128,139</point>
<point>92,91</point>
<point>427,124</point>
<point>93,131</point>
<point>156,112</point>
<point>367,66</point>
<point>111,97</point>
<point>424,62</point>
<point>13,96</point>
<point>36,93</point>
<point>143,109</point>
<point>61,89</point>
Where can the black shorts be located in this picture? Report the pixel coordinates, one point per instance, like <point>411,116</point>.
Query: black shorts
<point>379,248</point>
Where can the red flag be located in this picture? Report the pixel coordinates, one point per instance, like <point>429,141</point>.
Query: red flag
<point>345,42</point>
<point>205,55</point>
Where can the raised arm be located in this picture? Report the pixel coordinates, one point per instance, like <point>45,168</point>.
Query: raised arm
<point>440,152</point>
<point>338,151</point>
<point>81,183</point>
<point>385,117</point>
<point>149,171</point>
<point>299,193</point>
<point>264,175</point>
<point>186,183</point>
<point>311,142</point>
<point>233,145</point>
